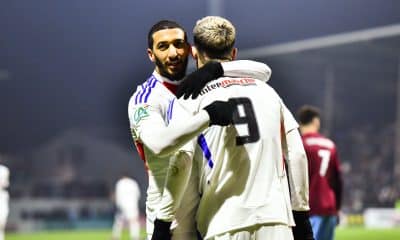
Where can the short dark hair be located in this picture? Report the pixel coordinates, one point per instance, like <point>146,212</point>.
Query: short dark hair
<point>163,24</point>
<point>307,113</point>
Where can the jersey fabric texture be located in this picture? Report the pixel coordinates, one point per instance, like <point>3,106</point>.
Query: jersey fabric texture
<point>160,127</point>
<point>150,111</point>
<point>243,180</point>
<point>324,174</point>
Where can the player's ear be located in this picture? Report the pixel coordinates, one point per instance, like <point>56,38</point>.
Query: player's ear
<point>151,55</point>
<point>234,53</point>
<point>194,53</point>
<point>190,50</point>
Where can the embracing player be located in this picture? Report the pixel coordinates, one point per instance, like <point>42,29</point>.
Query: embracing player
<point>161,126</point>
<point>242,179</point>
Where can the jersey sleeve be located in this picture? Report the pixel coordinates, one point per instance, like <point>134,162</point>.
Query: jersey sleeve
<point>247,68</point>
<point>149,127</point>
<point>289,121</point>
<point>336,180</point>
<point>296,159</point>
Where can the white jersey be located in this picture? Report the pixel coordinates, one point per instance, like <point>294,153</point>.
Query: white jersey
<point>127,196</point>
<point>160,127</point>
<point>4,177</point>
<point>4,197</point>
<point>242,174</point>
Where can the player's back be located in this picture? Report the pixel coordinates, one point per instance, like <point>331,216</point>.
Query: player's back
<point>242,178</point>
<point>127,193</point>
<point>323,169</point>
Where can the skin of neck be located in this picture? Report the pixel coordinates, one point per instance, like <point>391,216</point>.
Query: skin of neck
<point>202,58</point>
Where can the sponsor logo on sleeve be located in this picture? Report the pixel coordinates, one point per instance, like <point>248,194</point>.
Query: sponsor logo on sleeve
<point>140,114</point>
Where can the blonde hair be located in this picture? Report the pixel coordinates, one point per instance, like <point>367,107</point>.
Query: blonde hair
<point>214,36</point>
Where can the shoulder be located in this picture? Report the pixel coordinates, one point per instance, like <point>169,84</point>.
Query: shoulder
<point>247,68</point>
<point>4,170</point>
<point>328,141</point>
<point>144,91</point>
<point>319,140</point>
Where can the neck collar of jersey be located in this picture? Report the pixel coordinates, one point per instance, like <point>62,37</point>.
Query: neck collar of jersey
<point>169,84</point>
<point>311,134</point>
<point>165,79</point>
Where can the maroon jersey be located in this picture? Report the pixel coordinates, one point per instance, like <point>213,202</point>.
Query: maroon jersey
<point>324,173</point>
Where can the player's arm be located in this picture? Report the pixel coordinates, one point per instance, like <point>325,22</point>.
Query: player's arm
<point>297,170</point>
<point>336,181</point>
<point>149,127</point>
<point>297,162</point>
<point>298,176</point>
<point>178,177</point>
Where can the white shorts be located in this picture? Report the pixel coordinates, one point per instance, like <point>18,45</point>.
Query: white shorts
<point>128,213</point>
<point>258,232</point>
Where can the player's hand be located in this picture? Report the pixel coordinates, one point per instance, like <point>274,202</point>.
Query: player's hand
<point>220,112</point>
<point>193,83</point>
<point>161,230</point>
<point>302,230</point>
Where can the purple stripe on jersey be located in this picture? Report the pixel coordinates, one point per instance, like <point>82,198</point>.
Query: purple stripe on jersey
<point>201,140</point>
<point>153,84</point>
<point>148,83</point>
<point>170,109</point>
<point>144,86</point>
<point>138,94</point>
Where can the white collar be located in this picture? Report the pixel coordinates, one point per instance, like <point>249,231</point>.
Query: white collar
<point>165,79</point>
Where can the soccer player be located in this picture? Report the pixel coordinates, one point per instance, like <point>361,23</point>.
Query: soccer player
<point>324,173</point>
<point>4,198</point>
<point>243,184</point>
<point>127,196</point>
<point>160,135</point>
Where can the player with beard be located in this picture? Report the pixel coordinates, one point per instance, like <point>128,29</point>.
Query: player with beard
<point>160,141</point>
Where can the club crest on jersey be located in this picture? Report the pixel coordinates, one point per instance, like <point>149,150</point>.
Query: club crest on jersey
<point>140,113</point>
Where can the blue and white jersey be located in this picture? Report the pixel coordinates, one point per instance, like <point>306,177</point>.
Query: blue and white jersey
<point>161,126</point>
<point>243,180</point>
<point>158,140</point>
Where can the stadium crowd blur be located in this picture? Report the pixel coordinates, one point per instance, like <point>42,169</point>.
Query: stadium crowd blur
<point>368,156</point>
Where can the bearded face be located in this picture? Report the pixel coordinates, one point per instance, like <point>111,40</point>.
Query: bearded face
<point>170,53</point>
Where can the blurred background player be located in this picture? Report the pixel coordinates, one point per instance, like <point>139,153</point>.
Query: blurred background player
<point>127,196</point>
<point>4,198</point>
<point>243,186</point>
<point>324,173</point>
